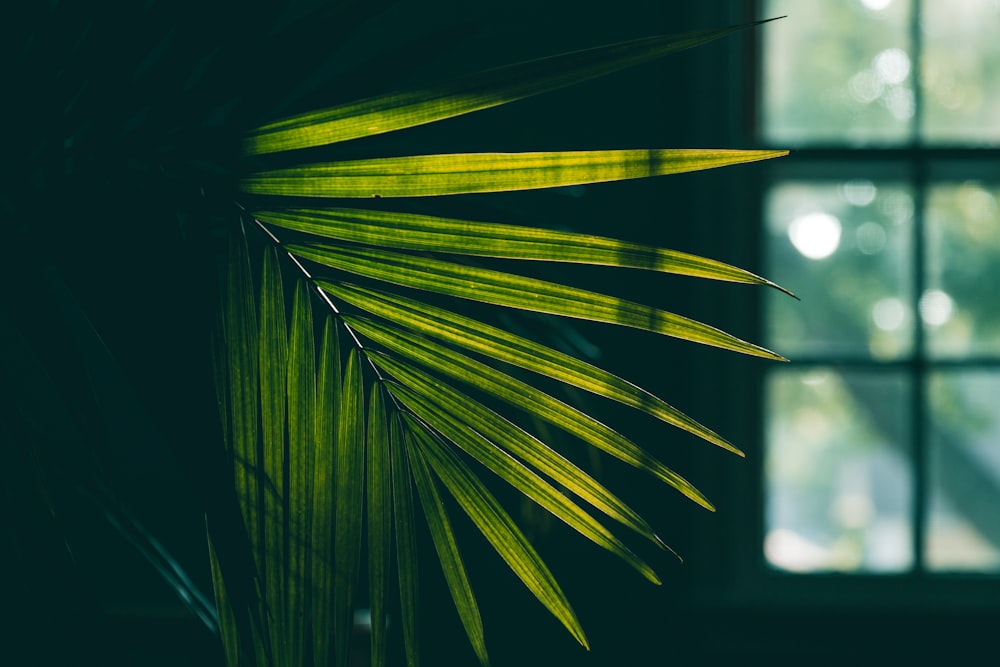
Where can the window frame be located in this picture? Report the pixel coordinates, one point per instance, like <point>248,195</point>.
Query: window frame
<point>741,577</point>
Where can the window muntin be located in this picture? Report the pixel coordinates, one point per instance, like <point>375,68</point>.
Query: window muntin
<point>881,448</point>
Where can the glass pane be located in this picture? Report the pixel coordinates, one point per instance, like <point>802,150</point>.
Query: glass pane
<point>960,309</point>
<point>837,71</point>
<point>844,249</point>
<point>963,530</point>
<point>838,483</point>
<point>960,71</point>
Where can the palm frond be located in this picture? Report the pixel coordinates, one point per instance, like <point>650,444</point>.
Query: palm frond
<point>379,519</point>
<point>539,404</point>
<point>465,173</point>
<point>318,458</point>
<point>447,548</point>
<point>349,487</point>
<point>476,336</point>
<point>466,94</point>
<point>499,529</point>
<point>459,428</point>
<point>407,231</point>
<point>514,291</point>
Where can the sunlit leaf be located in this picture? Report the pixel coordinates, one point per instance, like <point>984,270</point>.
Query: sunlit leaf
<point>505,346</point>
<point>481,90</point>
<point>431,233</point>
<point>500,530</point>
<point>453,426</point>
<point>526,397</point>
<point>506,289</point>
<point>427,175</point>
<point>447,549</point>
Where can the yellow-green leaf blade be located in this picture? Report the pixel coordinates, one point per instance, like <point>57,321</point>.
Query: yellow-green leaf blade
<point>530,399</point>
<point>507,347</point>
<point>499,529</point>
<point>514,291</point>
<point>409,231</point>
<point>463,173</point>
<point>511,470</point>
<point>465,94</point>
<point>447,549</point>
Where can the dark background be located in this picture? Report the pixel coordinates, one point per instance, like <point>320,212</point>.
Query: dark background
<point>121,121</point>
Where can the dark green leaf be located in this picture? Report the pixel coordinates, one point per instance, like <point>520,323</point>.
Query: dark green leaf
<point>350,496</point>
<point>379,520</point>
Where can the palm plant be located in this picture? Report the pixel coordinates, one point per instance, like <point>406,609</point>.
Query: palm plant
<point>343,424</point>
<point>362,372</point>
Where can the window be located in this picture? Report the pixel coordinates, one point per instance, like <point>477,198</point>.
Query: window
<point>882,435</point>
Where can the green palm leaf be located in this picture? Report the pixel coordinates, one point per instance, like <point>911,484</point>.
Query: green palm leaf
<point>349,486</point>
<point>431,233</point>
<point>328,405</point>
<point>526,397</point>
<point>301,463</point>
<point>447,549</point>
<point>312,459</point>
<point>501,531</point>
<point>510,348</point>
<point>406,549</point>
<point>463,173</point>
<point>379,520</point>
<point>506,289</point>
<point>482,90</point>
<point>461,429</point>
<point>273,349</point>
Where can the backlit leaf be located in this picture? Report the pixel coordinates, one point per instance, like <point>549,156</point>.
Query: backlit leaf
<point>431,175</point>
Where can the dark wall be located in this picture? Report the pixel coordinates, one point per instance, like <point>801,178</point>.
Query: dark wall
<point>141,274</point>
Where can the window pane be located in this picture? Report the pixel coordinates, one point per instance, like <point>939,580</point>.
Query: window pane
<point>844,249</point>
<point>964,465</point>
<point>960,71</point>
<point>838,483</point>
<point>837,71</point>
<point>960,309</point>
